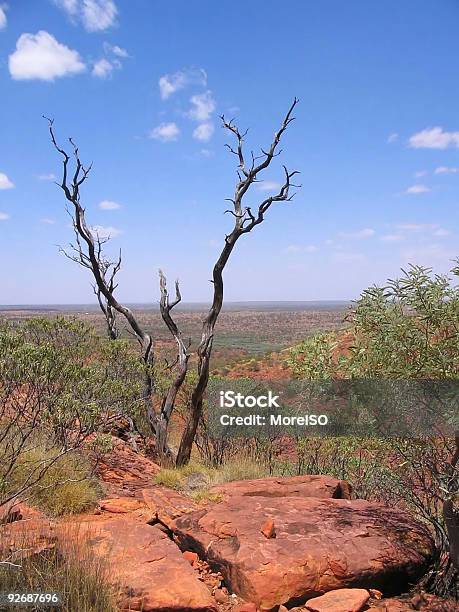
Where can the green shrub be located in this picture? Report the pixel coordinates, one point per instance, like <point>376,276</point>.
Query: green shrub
<point>408,329</point>
<point>62,381</point>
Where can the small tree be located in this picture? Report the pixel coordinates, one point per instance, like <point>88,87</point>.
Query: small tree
<point>408,329</point>
<point>245,220</point>
<point>88,252</point>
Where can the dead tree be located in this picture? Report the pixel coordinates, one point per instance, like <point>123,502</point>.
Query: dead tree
<point>108,269</point>
<point>88,252</point>
<point>180,365</point>
<point>245,220</point>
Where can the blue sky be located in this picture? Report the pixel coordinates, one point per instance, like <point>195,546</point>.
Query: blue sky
<point>140,85</point>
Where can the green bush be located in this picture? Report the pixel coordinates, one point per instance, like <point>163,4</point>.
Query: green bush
<point>59,380</point>
<point>408,329</point>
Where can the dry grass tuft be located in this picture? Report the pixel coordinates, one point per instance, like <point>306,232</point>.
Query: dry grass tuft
<point>67,567</point>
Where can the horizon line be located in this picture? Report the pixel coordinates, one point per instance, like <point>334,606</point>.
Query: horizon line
<point>95,306</point>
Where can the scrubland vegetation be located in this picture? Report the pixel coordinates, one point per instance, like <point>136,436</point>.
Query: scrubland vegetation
<point>63,387</point>
<point>68,568</point>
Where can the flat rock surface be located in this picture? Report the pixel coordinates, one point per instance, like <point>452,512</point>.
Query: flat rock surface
<point>320,545</point>
<point>148,566</point>
<point>166,505</point>
<point>341,600</point>
<point>296,486</point>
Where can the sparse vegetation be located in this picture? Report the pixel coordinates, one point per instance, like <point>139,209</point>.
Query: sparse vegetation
<point>67,487</point>
<point>196,478</point>
<point>59,383</point>
<point>68,567</point>
<point>405,330</point>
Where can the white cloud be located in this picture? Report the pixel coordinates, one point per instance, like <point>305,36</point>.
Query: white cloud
<point>204,131</point>
<point>115,50</point>
<point>109,205</point>
<point>207,153</point>
<point>106,231</point>
<point>41,56</point>
<point>417,189</point>
<point>5,182</point>
<point>98,14</point>
<point>102,68</point>
<point>446,170</point>
<point>203,105</point>
<point>392,138</point>
<point>343,257</point>
<point>3,19</point>
<point>165,132</point>
<point>171,83</point>
<point>46,177</point>
<point>47,221</point>
<point>268,186</point>
<point>4,216</point>
<point>434,138</point>
<point>367,232</point>
<point>428,254</point>
<point>420,173</point>
<point>392,238</point>
<point>441,231</point>
<point>95,15</point>
<point>432,228</point>
<point>295,248</point>
<point>69,6</point>
<point>416,227</point>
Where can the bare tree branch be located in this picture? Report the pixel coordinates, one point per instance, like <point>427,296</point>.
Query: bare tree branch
<point>244,222</point>
<point>88,252</point>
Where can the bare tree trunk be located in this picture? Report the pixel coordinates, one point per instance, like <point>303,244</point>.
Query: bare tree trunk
<point>244,222</point>
<point>168,402</point>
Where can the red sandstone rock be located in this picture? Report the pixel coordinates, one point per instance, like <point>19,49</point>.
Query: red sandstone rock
<point>320,545</point>
<point>148,566</point>
<point>392,605</point>
<point>28,536</point>
<point>268,529</point>
<point>341,600</point>
<point>191,557</point>
<point>17,511</point>
<point>121,505</point>
<point>124,471</point>
<point>167,504</point>
<point>221,596</point>
<point>296,486</point>
<point>247,607</point>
